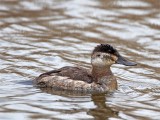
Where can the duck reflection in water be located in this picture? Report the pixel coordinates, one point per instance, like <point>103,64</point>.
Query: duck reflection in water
<point>101,111</point>
<point>99,79</point>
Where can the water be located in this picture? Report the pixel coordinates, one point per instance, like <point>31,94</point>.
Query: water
<point>39,35</point>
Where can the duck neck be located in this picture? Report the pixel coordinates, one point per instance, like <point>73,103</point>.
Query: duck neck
<point>100,72</point>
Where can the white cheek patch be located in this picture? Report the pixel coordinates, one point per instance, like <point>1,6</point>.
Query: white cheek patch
<point>102,62</point>
<point>98,61</point>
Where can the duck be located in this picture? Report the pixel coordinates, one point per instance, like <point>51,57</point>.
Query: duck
<point>97,79</point>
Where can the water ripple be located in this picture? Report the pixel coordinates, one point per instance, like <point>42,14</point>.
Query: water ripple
<point>38,36</point>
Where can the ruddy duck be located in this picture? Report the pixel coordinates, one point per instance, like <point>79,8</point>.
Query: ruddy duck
<point>99,79</point>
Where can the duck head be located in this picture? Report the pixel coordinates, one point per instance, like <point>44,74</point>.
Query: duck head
<point>105,55</point>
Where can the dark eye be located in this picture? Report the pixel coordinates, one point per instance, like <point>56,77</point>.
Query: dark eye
<point>98,55</point>
<point>109,51</point>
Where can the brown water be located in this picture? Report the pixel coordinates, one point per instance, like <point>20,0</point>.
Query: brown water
<point>41,35</point>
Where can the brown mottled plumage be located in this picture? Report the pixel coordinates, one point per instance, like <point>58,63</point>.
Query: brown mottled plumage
<point>99,79</point>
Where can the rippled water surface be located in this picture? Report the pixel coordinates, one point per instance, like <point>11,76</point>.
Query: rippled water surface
<point>41,35</point>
